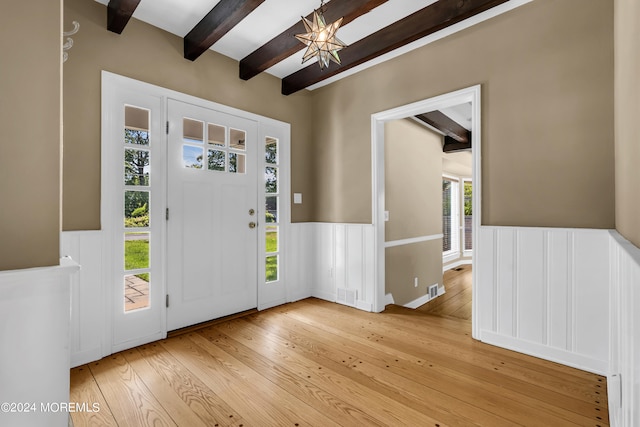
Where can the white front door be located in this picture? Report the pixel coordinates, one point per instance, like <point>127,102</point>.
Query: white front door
<point>212,230</point>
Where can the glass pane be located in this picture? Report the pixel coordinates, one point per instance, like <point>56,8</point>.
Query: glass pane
<point>136,137</point>
<point>192,157</point>
<point>271,209</point>
<point>193,130</point>
<point>136,291</point>
<point>237,163</point>
<point>271,151</point>
<point>237,139</point>
<point>136,251</point>
<point>271,179</point>
<point>137,119</point>
<point>216,160</point>
<point>271,268</point>
<point>216,135</point>
<point>468,215</point>
<point>136,209</point>
<point>446,215</point>
<point>272,239</point>
<point>136,167</point>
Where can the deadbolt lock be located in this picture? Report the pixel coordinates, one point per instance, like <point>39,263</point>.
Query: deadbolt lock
<point>252,211</point>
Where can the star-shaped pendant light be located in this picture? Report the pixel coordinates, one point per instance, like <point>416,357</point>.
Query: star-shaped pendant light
<point>321,39</point>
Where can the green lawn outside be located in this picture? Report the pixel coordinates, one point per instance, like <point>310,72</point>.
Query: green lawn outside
<point>136,255</point>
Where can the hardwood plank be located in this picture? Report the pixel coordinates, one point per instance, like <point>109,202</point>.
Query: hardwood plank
<point>319,363</point>
<point>422,397</point>
<point>131,402</point>
<point>462,368</point>
<point>188,400</point>
<point>84,389</point>
<point>293,382</point>
<point>263,402</point>
<point>382,408</point>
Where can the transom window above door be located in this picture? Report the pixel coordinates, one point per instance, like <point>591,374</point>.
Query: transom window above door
<point>224,151</point>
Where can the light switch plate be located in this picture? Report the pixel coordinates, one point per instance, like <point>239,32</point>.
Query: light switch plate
<point>386,215</point>
<point>297,198</point>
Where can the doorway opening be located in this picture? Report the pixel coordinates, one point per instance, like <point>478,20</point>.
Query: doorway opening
<point>380,214</point>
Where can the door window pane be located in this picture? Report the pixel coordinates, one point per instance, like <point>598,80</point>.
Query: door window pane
<point>136,123</point>
<point>192,130</point>
<point>136,167</point>
<point>136,209</point>
<point>237,139</point>
<point>136,291</point>
<point>136,251</point>
<point>271,215</point>
<point>271,179</point>
<point>272,239</point>
<point>216,135</point>
<point>237,163</point>
<point>468,215</point>
<point>271,151</point>
<point>216,160</point>
<point>192,157</point>
<point>271,272</point>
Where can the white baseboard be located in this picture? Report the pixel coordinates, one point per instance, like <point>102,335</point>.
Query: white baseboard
<point>424,299</point>
<point>557,355</point>
<point>455,264</point>
<point>388,299</point>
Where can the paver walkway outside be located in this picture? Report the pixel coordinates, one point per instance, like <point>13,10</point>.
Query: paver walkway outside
<point>136,293</point>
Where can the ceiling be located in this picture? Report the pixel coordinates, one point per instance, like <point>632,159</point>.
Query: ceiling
<point>239,27</point>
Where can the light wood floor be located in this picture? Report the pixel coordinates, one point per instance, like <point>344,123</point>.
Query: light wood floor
<point>322,364</point>
<point>456,301</point>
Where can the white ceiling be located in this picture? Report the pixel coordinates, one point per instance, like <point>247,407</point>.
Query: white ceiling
<point>274,16</point>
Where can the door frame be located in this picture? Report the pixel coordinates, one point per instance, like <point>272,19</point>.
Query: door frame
<point>266,126</point>
<point>378,120</point>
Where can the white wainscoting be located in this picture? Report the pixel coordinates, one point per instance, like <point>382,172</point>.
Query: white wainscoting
<point>330,257</point>
<point>624,376</point>
<point>34,360</point>
<point>545,292</point>
<point>87,300</point>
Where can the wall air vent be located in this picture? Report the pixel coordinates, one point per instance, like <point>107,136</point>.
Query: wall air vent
<point>347,296</point>
<point>433,291</point>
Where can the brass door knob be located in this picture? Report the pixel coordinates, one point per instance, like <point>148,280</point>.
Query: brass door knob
<point>252,225</point>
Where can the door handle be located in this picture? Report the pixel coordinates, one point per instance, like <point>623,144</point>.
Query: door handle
<point>252,224</point>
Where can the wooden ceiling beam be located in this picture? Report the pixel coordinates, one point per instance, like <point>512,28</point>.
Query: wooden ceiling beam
<point>118,14</point>
<point>218,22</point>
<point>446,125</point>
<point>451,145</point>
<point>285,44</point>
<point>432,18</point>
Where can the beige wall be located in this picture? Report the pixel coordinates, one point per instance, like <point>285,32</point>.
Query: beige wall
<point>546,71</point>
<point>627,94</point>
<point>30,120</point>
<point>413,197</point>
<point>154,56</point>
<point>404,263</point>
<point>413,180</point>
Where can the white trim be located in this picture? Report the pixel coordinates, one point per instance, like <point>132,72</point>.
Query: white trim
<point>470,94</point>
<point>424,298</point>
<point>124,85</point>
<point>412,240</point>
<point>557,355</point>
<point>458,263</point>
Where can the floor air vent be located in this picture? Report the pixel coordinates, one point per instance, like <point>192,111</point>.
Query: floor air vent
<point>347,296</point>
<point>458,269</point>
